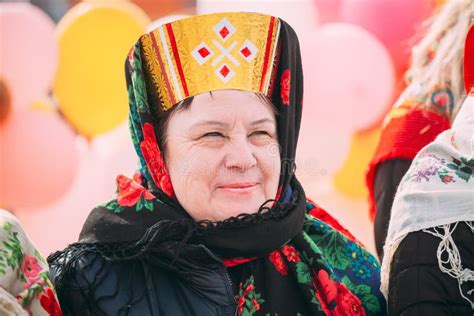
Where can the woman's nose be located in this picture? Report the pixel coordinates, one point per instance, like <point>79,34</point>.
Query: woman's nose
<point>240,155</point>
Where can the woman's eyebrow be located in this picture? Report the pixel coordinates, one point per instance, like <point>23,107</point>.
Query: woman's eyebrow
<point>208,122</point>
<point>262,121</point>
<point>222,124</point>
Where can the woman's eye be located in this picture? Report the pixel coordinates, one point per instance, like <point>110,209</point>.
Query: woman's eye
<point>213,134</point>
<point>260,133</point>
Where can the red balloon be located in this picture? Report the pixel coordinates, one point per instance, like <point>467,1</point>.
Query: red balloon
<point>393,22</point>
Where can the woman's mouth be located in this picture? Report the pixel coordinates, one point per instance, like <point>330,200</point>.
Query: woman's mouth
<point>240,188</point>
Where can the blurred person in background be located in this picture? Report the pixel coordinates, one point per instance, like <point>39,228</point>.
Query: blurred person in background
<point>429,225</point>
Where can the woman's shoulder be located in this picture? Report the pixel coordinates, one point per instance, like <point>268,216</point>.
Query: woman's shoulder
<point>90,283</point>
<point>75,266</point>
<point>82,277</point>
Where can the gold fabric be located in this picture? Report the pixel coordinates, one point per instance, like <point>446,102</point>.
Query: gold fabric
<point>211,52</point>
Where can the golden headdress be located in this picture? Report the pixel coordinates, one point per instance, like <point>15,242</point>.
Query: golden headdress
<point>211,52</point>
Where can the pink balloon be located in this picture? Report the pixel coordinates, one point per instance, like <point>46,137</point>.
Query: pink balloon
<point>101,160</point>
<point>28,52</point>
<point>38,159</point>
<point>393,22</point>
<point>68,213</point>
<point>117,154</point>
<point>349,78</point>
<point>328,10</point>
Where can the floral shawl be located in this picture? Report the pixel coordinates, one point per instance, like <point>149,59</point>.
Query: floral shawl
<point>25,286</point>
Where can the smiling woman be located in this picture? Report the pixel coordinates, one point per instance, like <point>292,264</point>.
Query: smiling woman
<point>219,157</point>
<point>215,221</point>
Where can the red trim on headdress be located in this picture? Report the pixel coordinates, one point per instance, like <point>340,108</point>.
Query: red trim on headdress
<point>169,28</point>
<point>267,52</point>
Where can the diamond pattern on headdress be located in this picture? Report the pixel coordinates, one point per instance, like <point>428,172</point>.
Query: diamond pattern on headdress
<point>222,54</point>
<point>225,73</point>
<point>248,51</point>
<point>224,29</point>
<point>202,53</point>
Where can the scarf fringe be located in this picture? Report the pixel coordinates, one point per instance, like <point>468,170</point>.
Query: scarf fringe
<point>452,265</point>
<point>160,238</point>
<point>447,247</point>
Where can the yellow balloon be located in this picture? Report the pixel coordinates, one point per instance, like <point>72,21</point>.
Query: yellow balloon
<point>350,179</point>
<point>94,39</point>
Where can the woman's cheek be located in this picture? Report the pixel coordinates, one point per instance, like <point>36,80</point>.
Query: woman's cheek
<point>204,165</point>
<point>269,161</point>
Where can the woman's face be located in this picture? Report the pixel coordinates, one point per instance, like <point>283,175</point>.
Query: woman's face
<point>223,155</point>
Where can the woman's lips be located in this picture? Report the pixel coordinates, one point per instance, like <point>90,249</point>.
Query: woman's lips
<point>243,187</point>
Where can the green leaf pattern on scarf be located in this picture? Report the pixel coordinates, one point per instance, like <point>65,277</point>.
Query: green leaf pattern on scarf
<point>249,300</point>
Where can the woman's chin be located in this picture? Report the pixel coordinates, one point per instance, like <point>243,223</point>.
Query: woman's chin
<point>233,207</point>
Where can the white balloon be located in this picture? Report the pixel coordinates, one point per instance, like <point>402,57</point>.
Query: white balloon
<point>167,19</point>
<point>302,15</point>
<point>321,151</point>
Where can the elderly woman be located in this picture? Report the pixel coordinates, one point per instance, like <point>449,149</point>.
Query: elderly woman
<point>215,221</point>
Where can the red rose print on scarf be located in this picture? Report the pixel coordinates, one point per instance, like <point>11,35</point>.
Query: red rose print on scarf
<point>446,179</point>
<point>290,253</point>
<point>256,305</point>
<point>348,303</point>
<point>249,300</point>
<point>31,269</point>
<point>240,305</point>
<point>50,303</point>
<point>285,87</point>
<point>131,190</point>
<point>249,289</point>
<point>154,160</point>
<point>335,298</point>
<point>277,259</point>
